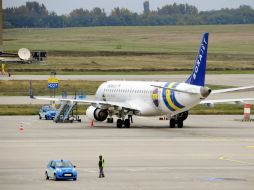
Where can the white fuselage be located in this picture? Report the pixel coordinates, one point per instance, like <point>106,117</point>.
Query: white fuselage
<point>150,100</point>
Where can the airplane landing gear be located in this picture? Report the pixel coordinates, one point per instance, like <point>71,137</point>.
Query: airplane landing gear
<point>173,123</point>
<point>119,123</point>
<point>180,124</point>
<point>178,119</point>
<point>123,123</point>
<point>127,123</point>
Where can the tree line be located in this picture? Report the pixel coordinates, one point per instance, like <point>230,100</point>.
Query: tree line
<point>33,14</point>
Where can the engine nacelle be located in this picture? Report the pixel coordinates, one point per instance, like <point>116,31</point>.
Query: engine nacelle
<point>96,113</point>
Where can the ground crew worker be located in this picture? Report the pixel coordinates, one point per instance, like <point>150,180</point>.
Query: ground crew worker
<point>101,166</point>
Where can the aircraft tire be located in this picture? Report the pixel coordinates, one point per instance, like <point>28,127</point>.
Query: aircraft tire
<point>172,123</point>
<point>46,176</point>
<point>127,123</point>
<point>119,123</point>
<point>180,124</point>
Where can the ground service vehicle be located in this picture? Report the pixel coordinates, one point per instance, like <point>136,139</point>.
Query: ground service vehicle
<point>47,112</point>
<point>61,170</point>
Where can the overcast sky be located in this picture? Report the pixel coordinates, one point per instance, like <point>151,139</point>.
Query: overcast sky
<point>66,6</point>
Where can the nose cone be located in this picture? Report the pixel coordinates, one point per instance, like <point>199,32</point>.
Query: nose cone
<point>205,91</point>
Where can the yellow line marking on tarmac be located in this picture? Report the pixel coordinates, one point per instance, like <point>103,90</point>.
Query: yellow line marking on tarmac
<point>250,147</point>
<point>232,160</point>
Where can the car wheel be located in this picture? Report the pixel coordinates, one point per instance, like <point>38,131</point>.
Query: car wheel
<point>46,117</point>
<point>39,116</point>
<point>55,177</point>
<point>46,176</point>
<point>74,179</point>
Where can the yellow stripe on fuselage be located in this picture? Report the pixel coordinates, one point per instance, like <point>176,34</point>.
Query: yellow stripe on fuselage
<point>168,98</point>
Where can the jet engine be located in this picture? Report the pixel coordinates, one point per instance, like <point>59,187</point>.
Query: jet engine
<point>96,113</point>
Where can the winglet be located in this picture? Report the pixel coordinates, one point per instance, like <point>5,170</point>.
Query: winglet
<point>31,90</point>
<point>198,74</point>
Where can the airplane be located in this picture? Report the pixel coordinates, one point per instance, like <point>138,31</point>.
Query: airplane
<point>142,98</point>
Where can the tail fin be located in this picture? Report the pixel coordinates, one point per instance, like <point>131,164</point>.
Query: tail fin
<point>198,74</point>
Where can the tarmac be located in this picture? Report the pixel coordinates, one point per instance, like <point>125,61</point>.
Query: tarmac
<point>210,152</point>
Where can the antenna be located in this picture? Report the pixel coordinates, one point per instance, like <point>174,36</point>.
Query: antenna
<point>24,54</point>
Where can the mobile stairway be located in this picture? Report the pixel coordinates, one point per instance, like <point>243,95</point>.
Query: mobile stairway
<point>65,113</point>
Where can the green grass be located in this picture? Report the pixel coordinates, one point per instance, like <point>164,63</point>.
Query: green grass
<point>33,110</point>
<point>40,88</point>
<point>219,109</point>
<point>29,109</point>
<point>229,38</point>
<point>139,50</point>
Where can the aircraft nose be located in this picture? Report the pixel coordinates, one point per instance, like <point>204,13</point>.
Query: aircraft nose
<point>205,91</point>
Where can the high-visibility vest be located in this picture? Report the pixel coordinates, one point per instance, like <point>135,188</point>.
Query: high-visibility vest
<point>103,163</point>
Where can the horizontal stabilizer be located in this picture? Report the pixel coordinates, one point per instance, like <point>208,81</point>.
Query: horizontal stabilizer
<point>232,89</point>
<point>236,101</point>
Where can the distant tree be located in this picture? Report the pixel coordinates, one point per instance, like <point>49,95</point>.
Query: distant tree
<point>33,14</point>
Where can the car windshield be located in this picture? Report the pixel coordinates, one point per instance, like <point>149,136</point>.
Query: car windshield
<point>48,109</point>
<point>63,164</point>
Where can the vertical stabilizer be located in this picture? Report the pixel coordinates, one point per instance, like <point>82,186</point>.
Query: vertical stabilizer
<point>198,74</point>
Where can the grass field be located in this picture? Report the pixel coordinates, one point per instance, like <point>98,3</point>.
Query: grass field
<point>153,50</point>
<point>21,88</point>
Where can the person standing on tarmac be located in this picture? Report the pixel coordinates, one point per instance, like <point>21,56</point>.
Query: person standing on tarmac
<point>101,166</point>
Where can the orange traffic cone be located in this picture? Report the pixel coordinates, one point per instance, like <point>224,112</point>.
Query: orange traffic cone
<point>21,128</point>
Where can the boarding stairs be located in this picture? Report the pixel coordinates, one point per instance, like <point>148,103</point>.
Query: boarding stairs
<point>65,111</point>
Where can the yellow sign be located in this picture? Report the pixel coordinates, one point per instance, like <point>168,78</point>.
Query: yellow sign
<point>3,66</point>
<point>53,80</point>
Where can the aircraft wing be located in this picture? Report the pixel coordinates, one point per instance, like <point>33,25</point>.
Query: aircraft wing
<point>95,103</point>
<point>221,101</point>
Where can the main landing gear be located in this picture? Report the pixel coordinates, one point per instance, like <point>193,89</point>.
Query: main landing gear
<point>173,123</point>
<point>123,123</point>
<point>178,120</point>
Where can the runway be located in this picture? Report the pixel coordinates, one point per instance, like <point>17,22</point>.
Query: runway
<point>220,79</point>
<point>211,152</point>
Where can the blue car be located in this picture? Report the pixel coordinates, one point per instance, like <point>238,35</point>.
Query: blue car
<point>60,170</point>
<point>47,112</point>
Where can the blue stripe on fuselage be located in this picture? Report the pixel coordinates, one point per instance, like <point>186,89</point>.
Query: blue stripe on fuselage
<point>173,98</point>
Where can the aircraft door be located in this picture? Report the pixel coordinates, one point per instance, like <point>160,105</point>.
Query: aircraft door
<point>156,98</point>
